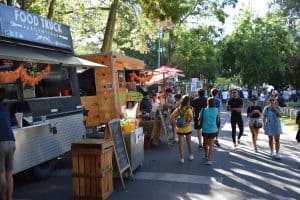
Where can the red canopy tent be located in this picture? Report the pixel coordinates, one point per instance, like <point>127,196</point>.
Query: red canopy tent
<point>168,70</point>
<point>165,71</point>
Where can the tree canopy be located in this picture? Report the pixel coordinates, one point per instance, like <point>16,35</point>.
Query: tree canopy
<point>259,49</point>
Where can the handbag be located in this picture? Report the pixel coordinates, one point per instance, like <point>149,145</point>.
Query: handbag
<point>257,124</point>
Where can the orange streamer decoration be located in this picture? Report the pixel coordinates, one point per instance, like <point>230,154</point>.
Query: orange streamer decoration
<point>134,77</point>
<point>20,72</point>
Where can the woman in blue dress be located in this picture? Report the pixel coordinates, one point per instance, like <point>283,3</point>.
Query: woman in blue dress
<point>272,125</point>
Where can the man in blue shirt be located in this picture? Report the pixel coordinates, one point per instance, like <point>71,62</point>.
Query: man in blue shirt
<point>7,149</point>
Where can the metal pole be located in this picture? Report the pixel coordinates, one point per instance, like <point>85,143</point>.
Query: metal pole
<point>158,48</point>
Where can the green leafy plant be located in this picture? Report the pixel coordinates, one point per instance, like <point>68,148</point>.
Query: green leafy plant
<point>124,122</point>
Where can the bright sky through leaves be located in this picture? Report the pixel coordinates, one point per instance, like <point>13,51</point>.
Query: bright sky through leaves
<point>260,8</point>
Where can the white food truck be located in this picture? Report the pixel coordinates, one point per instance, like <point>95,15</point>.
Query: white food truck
<point>38,71</point>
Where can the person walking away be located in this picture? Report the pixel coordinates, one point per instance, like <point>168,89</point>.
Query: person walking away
<point>7,149</point>
<point>225,96</point>
<point>298,122</point>
<point>214,94</point>
<point>272,125</point>
<point>209,117</point>
<point>198,104</point>
<point>170,104</point>
<point>184,129</point>
<point>235,105</point>
<point>173,122</point>
<point>281,102</point>
<point>254,112</point>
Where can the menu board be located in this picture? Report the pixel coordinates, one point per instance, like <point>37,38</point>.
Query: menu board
<point>120,149</point>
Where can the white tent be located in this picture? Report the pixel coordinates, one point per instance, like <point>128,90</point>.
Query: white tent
<point>159,78</point>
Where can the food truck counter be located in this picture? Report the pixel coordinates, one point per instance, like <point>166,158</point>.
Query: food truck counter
<point>34,125</point>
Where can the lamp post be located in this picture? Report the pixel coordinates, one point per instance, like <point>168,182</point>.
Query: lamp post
<point>158,46</point>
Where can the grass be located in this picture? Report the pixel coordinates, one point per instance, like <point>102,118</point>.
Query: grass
<point>286,121</point>
<point>294,105</point>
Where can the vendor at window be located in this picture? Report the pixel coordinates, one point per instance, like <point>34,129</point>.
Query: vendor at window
<point>146,106</point>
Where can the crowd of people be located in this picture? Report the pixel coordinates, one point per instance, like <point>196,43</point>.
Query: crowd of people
<point>203,115</point>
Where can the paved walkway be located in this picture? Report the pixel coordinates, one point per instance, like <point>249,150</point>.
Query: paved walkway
<point>235,174</point>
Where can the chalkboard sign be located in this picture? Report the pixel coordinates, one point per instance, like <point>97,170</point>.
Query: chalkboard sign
<point>119,147</point>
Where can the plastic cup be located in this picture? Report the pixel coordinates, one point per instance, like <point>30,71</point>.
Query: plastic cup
<point>43,119</point>
<point>19,118</point>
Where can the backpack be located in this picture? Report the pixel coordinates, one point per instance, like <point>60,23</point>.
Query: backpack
<point>180,121</point>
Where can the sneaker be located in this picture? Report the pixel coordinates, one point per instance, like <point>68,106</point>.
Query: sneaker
<point>200,146</point>
<point>181,160</point>
<point>208,162</point>
<point>277,156</point>
<point>217,143</point>
<point>272,154</point>
<point>191,157</point>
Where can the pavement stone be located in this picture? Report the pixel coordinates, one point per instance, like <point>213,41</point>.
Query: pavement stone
<point>236,173</point>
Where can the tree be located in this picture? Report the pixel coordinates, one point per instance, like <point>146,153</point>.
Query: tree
<point>258,49</point>
<point>291,9</point>
<point>197,52</point>
<point>169,14</point>
<point>110,28</point>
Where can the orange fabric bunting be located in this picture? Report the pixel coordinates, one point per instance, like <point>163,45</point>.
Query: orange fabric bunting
<point>134,77</point>
<point>20,72</point>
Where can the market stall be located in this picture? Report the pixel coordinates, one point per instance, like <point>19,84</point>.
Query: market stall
<point>37,69</point>
<point>106,93</point>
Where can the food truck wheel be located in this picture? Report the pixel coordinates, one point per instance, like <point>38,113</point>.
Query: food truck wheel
<point>44,170</point>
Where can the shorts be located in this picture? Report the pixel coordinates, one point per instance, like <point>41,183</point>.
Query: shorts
<point>7,150</point>
<point>252,121</point>
<point>184,133</point>
<point>197,125</point>
<point>209,135</point>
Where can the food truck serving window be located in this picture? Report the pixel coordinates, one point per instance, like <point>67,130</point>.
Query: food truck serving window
<point>56,83</point>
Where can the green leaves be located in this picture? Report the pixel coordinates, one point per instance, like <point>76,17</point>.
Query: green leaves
<point>258,48</point>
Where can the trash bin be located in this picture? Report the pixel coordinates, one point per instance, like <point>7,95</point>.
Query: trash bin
<point>92,169</point>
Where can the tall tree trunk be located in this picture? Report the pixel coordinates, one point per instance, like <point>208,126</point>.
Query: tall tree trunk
<point>170,46</point>
<point>110,27</point>
<point>9,2</point>
<point>51,9</point>
<point>23,5</point>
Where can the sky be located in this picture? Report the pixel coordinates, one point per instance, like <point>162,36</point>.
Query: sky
<point>260,8</point>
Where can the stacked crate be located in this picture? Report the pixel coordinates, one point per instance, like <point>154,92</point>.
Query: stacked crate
<point>92,169</point>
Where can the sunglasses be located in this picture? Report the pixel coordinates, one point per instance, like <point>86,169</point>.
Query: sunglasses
<point>271,100</point>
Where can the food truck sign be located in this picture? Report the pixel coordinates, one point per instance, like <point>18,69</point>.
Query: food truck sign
<point>21,25</point>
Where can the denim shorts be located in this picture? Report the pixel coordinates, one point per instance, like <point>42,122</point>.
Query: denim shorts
<point>252,121</point>
<point>7,150</point>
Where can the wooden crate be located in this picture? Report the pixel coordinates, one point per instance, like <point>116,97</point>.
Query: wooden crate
<point>92,169</point>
